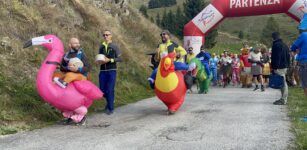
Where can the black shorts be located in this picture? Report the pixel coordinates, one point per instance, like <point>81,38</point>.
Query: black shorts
<point>257,75</point>
<point>266,76</point>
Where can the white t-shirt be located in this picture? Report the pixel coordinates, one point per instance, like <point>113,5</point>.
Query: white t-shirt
<point>226,60</point>
<point>254,57</point>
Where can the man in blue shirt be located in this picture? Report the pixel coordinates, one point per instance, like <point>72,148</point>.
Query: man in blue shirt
<point>300,47</point>
<point>204,57</point>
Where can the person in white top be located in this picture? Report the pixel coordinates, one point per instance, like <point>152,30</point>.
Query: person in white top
<point>255,59</point>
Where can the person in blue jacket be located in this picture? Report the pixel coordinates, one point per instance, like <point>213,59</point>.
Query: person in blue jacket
<point>213,62</point>
<point>300,47</point>
<point>204,57</point>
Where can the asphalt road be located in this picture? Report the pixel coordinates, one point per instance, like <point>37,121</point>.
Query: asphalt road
<point>224,119</point>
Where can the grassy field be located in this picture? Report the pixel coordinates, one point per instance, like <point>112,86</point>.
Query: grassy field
<point>297,105</point>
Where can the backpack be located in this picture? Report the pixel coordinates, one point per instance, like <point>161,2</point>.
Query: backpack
<point>276,81</point>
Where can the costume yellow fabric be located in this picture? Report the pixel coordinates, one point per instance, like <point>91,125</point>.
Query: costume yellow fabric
<point>170,46</point>
<point>190,57</point>
<point>266,69</point>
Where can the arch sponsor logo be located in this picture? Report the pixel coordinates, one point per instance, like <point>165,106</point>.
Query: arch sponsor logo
<point>207,18</point>
<point>252,3</point>
<point>303,7</point>
<point>299,8</point>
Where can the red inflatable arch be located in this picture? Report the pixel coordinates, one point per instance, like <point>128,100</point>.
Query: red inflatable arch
<point>215,12</point>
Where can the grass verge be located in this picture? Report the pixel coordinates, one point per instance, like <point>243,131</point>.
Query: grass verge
<point>297,110</point>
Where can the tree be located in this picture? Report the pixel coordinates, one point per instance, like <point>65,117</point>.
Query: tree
<point>193,7</point>
<point>164,21</point>
<point>210,38</point>
<point>171,21</point>
<point>241,34</point>
<point>153,4</point>
<point>143,10</point>
<point>271,26</point>
<point>161,3</point>
<point>180,20</point>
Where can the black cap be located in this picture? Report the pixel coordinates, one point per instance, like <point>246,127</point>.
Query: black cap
<point>275,35</point>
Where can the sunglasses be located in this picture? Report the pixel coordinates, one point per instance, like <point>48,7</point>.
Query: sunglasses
<point>106,35</point>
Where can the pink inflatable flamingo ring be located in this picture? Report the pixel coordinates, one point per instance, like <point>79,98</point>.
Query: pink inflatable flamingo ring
<point>77,97</point>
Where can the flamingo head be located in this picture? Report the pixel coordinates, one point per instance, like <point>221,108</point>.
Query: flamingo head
<point>51,42</point>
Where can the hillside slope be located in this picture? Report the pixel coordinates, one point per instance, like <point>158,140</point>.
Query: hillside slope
<point>21,107</point>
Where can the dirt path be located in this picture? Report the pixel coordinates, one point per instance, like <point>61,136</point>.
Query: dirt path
<point>228,119</point>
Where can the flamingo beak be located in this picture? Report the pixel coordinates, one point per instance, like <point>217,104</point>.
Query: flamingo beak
<point>27,44</point>
<point>167,63</point>
<point>37,41</point>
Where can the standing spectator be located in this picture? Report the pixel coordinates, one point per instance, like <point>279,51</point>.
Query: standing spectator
<point>280,63</point>
<point>265,60</point>
<point>255,59</point>
<point>107,76</point>
<point>213,62</point>
<point>301,43</point>
<point>235,70</point>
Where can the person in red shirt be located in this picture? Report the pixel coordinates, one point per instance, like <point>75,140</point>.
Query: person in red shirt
<point>246,77</point>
